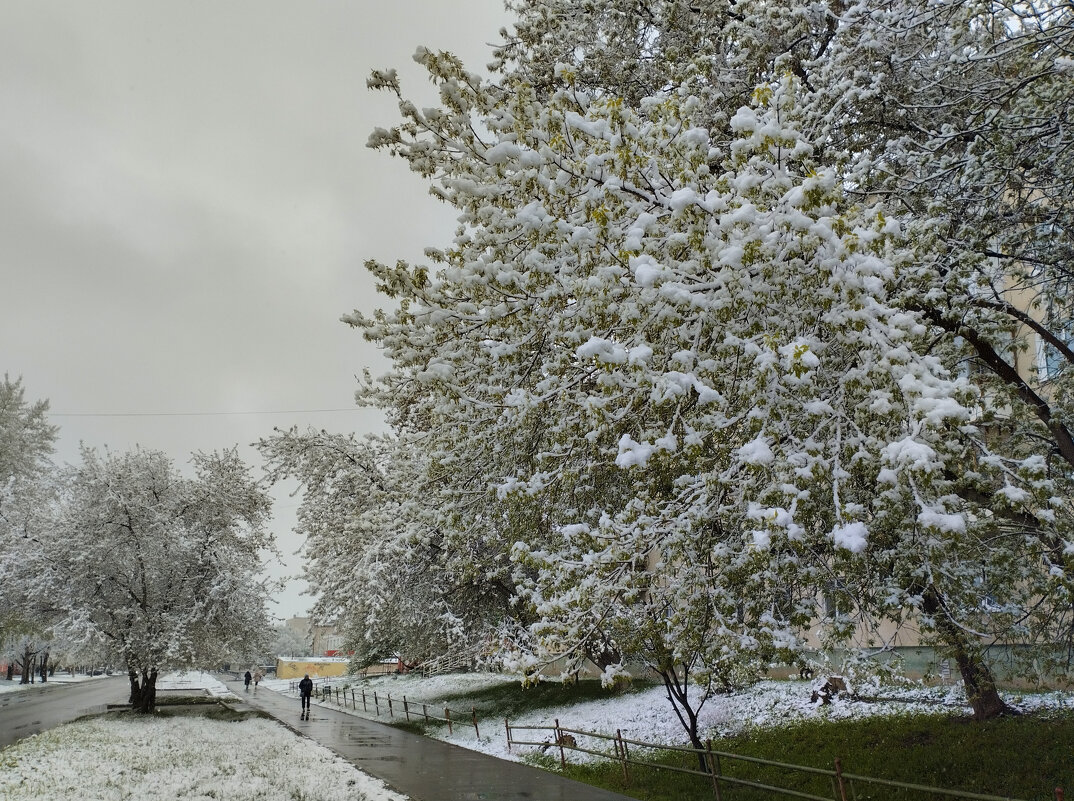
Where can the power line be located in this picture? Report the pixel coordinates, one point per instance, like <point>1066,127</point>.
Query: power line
<point>196,414</point>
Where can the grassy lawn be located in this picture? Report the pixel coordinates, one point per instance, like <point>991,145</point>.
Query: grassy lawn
<point>512,700</point>
<point>1021,757</point>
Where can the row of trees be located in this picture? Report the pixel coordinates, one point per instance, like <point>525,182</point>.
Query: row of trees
<point>124,559</point>
<point>729,326</point>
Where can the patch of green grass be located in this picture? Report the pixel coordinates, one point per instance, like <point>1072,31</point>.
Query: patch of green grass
<point>1021,757</point>
<point>181,700</point>
<point>413,726</point>
<point>209,708</point>
<point>511,700</point>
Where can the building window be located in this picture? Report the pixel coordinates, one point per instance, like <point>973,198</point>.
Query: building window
<point>1050,362</point>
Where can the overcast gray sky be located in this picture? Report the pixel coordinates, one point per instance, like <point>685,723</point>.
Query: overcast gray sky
<point>186,201</point>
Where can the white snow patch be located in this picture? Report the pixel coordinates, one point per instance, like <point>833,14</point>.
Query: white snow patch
<point>633,454</point>
<point>910,452</point>
<point>756,452</point>
<point>502,153</point>
<point>950,524</point>
<point>852,536</point>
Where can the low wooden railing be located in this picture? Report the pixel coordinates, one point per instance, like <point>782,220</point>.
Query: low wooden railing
<point>844,785</point>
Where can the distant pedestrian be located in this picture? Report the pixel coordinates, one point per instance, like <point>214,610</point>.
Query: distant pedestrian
<point>247,677</point>
<point>258,675</point>
<point>305,690</point>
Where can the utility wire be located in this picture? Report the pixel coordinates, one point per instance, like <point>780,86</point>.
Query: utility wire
<point>195,414</point>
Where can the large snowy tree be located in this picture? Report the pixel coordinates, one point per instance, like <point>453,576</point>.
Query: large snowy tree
<point>26,492</point>
<point>157,568</point>
<point>956,116</point>
<point>697,347</point>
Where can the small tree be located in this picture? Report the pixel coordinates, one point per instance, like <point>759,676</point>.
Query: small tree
<point>159,569</point>
<point>285,641</point>
<point>378,559</point>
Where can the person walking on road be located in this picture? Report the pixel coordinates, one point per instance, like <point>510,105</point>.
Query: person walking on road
<point>258,675</point>
<point>247,678</point>
<point>305,690</point>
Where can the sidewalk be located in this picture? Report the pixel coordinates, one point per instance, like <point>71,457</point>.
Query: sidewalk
<point>421,767</point>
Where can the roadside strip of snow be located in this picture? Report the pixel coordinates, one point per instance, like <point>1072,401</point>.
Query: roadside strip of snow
<point>60,678</point>
<point>154,759</point>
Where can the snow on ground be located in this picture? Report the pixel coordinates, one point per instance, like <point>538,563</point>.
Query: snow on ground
<point>60,678</point>
<point>114,758</point>
<point>194,680</point>
<point>647,716</point>
<point>190,680</point>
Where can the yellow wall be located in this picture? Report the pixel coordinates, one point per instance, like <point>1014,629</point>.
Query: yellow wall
<point>297,668</point>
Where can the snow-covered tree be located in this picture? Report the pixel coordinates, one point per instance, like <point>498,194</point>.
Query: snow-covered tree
<point>158,569</point>
<point>285,641</point>
<point>954,113</point>
<point>26,486</point>
<point>672,347</point>
<point>27,438</point>
<point>376,556</point>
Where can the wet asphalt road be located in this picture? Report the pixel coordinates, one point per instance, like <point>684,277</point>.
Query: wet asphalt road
<point>43,706</point>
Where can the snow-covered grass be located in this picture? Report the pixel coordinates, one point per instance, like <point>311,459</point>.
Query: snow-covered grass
<point>60,678</point>
<point>161,758</point>
<point>646,714</point>
<point>198,681</point>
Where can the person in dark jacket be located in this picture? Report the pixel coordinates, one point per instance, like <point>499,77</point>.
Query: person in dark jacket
<point>305,690</point>
<point>247,677</point>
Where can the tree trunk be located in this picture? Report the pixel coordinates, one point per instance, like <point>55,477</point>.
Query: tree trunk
<point>44,667</point>
<point>687,715</point>
<point>25,664</point>
<point>981,691</point>
<point>143,690</point>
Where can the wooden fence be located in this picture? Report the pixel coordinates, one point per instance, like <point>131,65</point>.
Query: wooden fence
<point>844,786</point>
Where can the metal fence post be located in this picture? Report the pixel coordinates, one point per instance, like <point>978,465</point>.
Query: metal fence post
<point>447,717</point>
<point>391,712</point>
<point>365,707</point>
<point>406,709</point>
<point>473,714</point>
<point>620,748</point>
<point>425,712</point>
<point>376,703</point>
<point>507,726</point>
